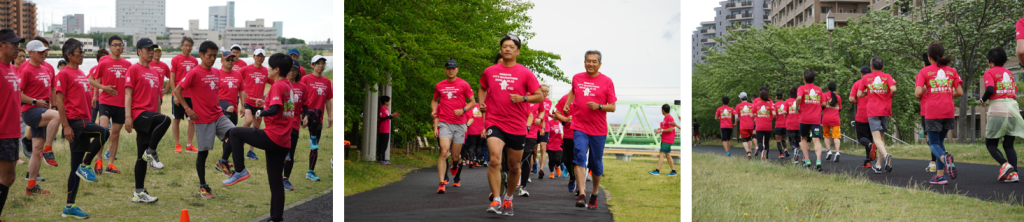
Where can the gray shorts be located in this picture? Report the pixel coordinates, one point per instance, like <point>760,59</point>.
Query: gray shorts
<point>205,132</point>
<point>452,131</point>
<point>878,123</point>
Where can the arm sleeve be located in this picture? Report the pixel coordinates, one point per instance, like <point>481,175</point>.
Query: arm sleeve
<point>270,111</point>
<point>989,91</point>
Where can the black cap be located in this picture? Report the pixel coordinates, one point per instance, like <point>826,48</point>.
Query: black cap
<point>144,43</point>
<point>295,64</point>
<point>10,36</point>
<point>865,70</point>
<point>451,64</point>
<point>763,88</point>
<point>61,62</point>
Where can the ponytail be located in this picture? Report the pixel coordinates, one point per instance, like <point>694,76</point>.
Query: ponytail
<point>832,90</point>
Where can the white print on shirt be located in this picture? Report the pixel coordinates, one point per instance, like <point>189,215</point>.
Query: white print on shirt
<point>588,88</point>
<point>212,80</point>
<point>812,98</point>
<point>450,91</point>
<point>506,80</point>
<point>941,83</point>
<point>1006,86</point>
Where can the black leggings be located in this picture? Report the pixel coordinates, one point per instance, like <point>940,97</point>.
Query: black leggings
<point>1011,154</point>
<point>762,140</point>
<point>237,138</point>
<point>98,136</point>
<point>315,128</point>
<point>289,163</point>
<point>554,160</point>
<point>469,150</point>
<point>382,145</point>
<point>568,154</point>
<point>525,166</point>
<point>150,128</point>
<point>864,138</point>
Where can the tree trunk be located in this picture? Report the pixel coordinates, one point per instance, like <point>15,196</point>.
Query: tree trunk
<point>974,133</point>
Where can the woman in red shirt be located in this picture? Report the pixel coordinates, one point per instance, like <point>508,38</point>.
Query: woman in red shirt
<point>1004,120</point>
<point>936,86</point>
<point>830,122</point>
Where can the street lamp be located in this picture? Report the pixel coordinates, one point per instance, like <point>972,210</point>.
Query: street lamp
<point>830,22</point>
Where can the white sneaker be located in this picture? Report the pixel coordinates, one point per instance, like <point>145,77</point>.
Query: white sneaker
<point>1005,171</point>
<point>931,168</point>
<point>153,160</point>
<point>835,158</point>
<point>1012,178</point>
<point>143,197</point>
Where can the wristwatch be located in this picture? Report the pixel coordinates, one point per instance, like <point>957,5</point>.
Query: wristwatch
<point>33,102</point>
<point>524,98</point>
<point>600,106</point>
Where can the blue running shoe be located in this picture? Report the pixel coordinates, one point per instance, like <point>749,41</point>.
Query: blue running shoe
<point>106,155</point>
<point>939,180</point>
<point>673,173</point>
<point>950,166</point>
<point>86,173</point>
<point>728,153</point>
<point>73,211</point>
<point>534,168</point>
<point>251,155</point>
<point>313,144</point>
<point>312,176</point>
<point>654,172</point>
<point>565,173</point>
<point>572,185</point>
<point>237,177</point>
<point>288,185</point>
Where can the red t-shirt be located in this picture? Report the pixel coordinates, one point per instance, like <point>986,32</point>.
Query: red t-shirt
<point>793,120</point>
<point>146,86</point>
<point>549,120</point>
<point>320,90</point>
<point>862,103</point>
<point>181,65</point>
<point>77,93</point>
<point>300,97</point>
<point>239,64</point>
<point>1004,82</point>
<point>567,126</point>
<point>810,109</point>
<point>111,72</point>
<point>555,139</point>
<point>384,126</point>
<point>203,82</point>
<point>161,69</point>
<point>35,83</point>
<point>1020,28</point>
<point>939,84</point>
<point>501,82</point>
<point>10,102</point>
<point>255,81</point>
<point>534,109</point>
<point>478,121</point>
<point>763,112</point>
<point>746,112</point>
<point>278,126</point>
<point>452,96</point>
<point>44,65</point>
<point>598,89</point>
<point>725,116</point>
<point>779,110</point>
<point>666,123</point>
<point>230,85</point>
<point>830,114</point>
<point>879,97</point>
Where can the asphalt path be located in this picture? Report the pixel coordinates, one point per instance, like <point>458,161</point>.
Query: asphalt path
<point>973,180</point>
<point>415,198</point>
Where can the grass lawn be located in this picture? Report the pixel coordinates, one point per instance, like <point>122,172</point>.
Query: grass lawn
<point>365,175</point>
<point>728,189</point>
<point>176,185</point>
<point>639,196</point>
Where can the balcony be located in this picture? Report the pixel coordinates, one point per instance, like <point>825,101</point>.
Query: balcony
<point>746,4</point>
<point>738,27</point>
<point>707,31</point>
<point>707,41</point>
<point>739,16</point>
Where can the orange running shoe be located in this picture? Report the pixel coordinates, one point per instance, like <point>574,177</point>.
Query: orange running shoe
<point>191,149</point>
<point>112,169</point>
<point>440,188</point>
<point>177,148</point>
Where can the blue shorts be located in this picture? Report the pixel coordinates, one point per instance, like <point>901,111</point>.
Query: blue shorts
<point>592,159</point>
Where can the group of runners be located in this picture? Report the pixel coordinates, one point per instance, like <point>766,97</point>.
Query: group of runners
<point>809,113</point>
<point>122,95</point>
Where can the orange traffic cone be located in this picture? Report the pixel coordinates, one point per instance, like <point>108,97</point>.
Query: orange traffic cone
<point>184,215</point>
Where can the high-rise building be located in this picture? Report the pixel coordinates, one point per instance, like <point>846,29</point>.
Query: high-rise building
<point>146,16</point>
<point>20,16</point>
<point>807,12</point>
<point>74,24</point>
<point>280,28</point>
<point>735,15</point>
<point>222,17</point>
<point>253,36</point>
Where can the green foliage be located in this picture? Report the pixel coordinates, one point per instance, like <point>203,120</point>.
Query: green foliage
<point>55,47</point>
<point>290,40</point>
<point>409,41</point>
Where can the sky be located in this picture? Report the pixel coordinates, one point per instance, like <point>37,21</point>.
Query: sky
<point>696,12</point>
<point>639,42</point>
<point>311,20</point>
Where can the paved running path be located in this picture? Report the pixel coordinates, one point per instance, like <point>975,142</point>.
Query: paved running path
<point>317,209</point>
<point>415,198</point>
<point>974,180</point>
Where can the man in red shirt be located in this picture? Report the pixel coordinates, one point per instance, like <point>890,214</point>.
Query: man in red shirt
<point>181,64</point>
<point>596,94</point>
<point>793,125</point>
<point>503,95</point>
<point>255,80</point>
<point>779,110</point>
<point>877,88</point>
<point>36,87</point>
<point>668,137</point>
<point>809,100</point>
<point>294,54</point>
<point>72,100</point>
<point>161,69</point>
<point>109,77</point>
<point>238,64</point>
<point>229,88</point>
<point>745,110</point>
<point>725,116</point>
<point>763,124</point>
<point>448,105</point>
<point>9,103</point>
<point>861,119</point>
<point>142,93</point>
<point>300,93</point>
<point>321,93</point>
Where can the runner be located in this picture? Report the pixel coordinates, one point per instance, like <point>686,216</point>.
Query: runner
<point>809,102</point>
<point>109,77</point>
<point>545,133</point>
<point>181,64</point>
<point>554,148</point>
<point>931,165</point>
<point>36,87</point>
<point>746,119</point>
<point>102,53</point>
<point>384,128</point>
<point>830,121</point>
<point>534,126</point>
<point>9,103</point>
<point>319,102</point>
<point>793,125</point>
<point>504,88</point>
<point>255,81</point>
<point>763,118</point>
<point>229,88</point>
<point>696,133</point>
<point>448,105</point>
<point>725,115</point>
<point>860,123</point>
<point>1004,120</point>
<point>596,94</point>
<point>203,81</point>
<point>141,104</point>
<point>757,143</point>
<point>300,92</point>
<point>877,88</point>
<point>475,132</point>
<point>668,137</point>
<point>239,64</point>
<point>779,110</point>
<point>72,100</point>
<point>278,109</point>
<point>936,86</point>
<point>565,116</point>
<point>294,54</point>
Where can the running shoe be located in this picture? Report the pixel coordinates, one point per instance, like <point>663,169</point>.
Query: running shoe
<point>20,161</point>
<point>572,185</point>
<point>534,168</point>
<point>523,192</point>
<point>39,177</point>
<point>191,149</point>
<point>873,153</point>
<point>206,192</point>
<point>1012,178</point>
<point>454,169</point>
<point>236,177</point>
<point>581,201</point>
<point>385,162</point>
<point>939,180</point>
<point>506,208</point>
<point>828,155</point>
<point>565,173</point>
<point>888,163</point>
<point>73,211</point>
<point>177,148</point>
<point>530,180</point>
<point>877,168</point>
<point>222,166</point>
<point>835,158</point>
<point>807,164</point>
<point>112,169</point>
<point>931,168</point>
<point>50,160</point>
<point>152,159</point>
<point>1005,170</point>
<point>251,155</point>
<point>36,190</point>
<point>558,171</point>
<point>495,207</point>
<point>818,166</point>
<point>593,203</point>
<point>446,179</point>
<point>782,156</point>
<point>950,166</point>
<point>727,153</point>
<point>310,175</point>
<point>106,155</point>
<point>440,188</point>
<point>673,173</point>
<point>86,173</point>
<point>26,148</point>
<point>551,176</point>
<point>288,185</point>
<point>540,174</point>
<point>143,197</point>
<point>99,166</point>
<point>867,164</point>
<point>748,155</point>
<point>786,151</point>
<point>472,165</point>
<point>654,172</point>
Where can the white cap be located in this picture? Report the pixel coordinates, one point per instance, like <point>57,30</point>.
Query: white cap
<point>235,46</point>
<point>259,52</point>
<point>743,95</point>
<point>317,58</point>
<point>35,46</point>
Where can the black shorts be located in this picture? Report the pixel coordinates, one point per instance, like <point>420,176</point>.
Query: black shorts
<point>864,131</point>
<point>179,111</point>
<point>516,142</point>
<point>9,149</point>
<point>32,118</point>
<point>780,131</point>
<point>811,131</point>
<point>115,113</point>
<point>793,134</point>
<point>726,134</point>
<point>530,143</point>
<point>253,108</point>
<point>542,139</point>
<point>938,125</point>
